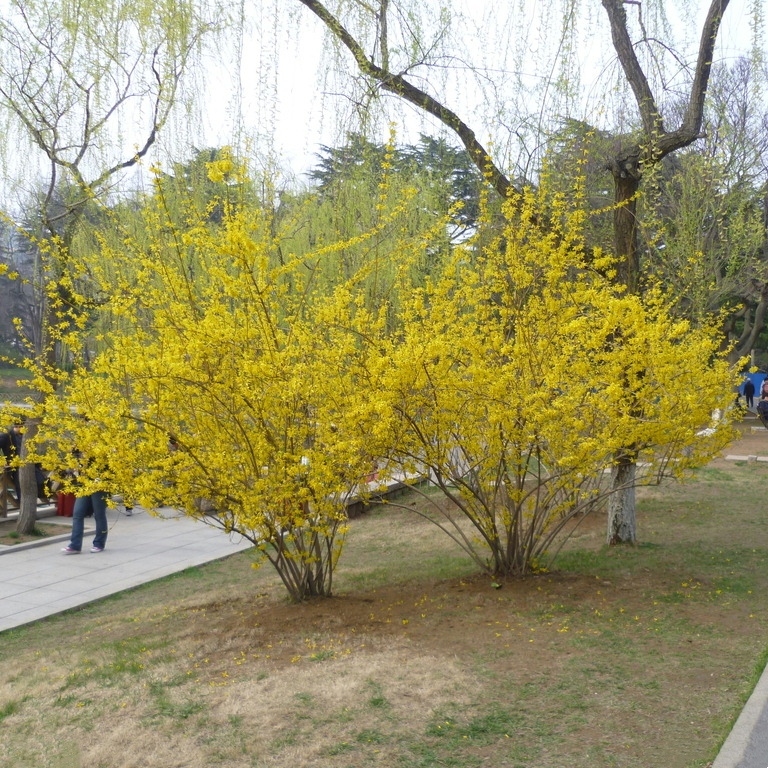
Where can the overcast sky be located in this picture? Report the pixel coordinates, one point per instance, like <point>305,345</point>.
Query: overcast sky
<point>289,105</point>
<point>271,93</point>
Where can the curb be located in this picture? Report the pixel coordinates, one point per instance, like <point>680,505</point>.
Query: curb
<point>735,746</point>
<point>6,549</point>
<point>44,513</point>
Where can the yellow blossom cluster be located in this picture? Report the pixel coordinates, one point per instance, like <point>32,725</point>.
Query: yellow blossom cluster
<point>231,382</point>
<point>522,372</point>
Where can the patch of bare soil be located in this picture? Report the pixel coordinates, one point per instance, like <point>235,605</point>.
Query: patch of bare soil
<point>753,440</point>
<point>444,617</point>
<point>9,537</point>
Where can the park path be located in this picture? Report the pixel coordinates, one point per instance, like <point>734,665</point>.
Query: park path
<point>38,580</point>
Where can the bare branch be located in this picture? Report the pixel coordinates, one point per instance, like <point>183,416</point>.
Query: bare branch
<point>625,50</point>
<point>399,86</point>
<point>666,142</point>
<point>690,129</point>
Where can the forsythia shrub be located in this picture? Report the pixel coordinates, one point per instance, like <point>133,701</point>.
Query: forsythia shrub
<point>229,385</point>
<point>522,373</point>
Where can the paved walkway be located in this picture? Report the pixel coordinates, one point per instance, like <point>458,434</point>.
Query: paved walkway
<point>38,580</point>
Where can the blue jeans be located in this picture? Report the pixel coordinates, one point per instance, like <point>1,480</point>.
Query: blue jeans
<point>96,503</point>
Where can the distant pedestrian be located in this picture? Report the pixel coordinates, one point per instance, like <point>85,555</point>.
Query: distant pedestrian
<point>10,475</point>
<point>10,446</point>
<point>764,387</point>
<point>92,504</point>
<point>749,393</point>
<point>762,410</point>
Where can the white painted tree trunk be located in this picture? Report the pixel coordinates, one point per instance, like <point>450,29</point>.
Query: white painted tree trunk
<point>622,526</point>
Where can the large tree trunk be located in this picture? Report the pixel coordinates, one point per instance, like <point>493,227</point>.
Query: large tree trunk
<point>622,528</point>
<point>28,484</point>
<point>626,181</point>
<point>622,525</point>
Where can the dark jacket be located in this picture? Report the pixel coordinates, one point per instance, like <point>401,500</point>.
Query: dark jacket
<point>10,445</point>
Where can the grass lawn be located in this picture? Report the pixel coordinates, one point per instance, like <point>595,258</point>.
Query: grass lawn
<point>12,381</point>
<point>618,657</point>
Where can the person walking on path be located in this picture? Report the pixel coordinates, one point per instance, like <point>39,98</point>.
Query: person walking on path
<point>749,392</point>
<point>93,504</point>
<point>86,505</point>
<point>762,410</point>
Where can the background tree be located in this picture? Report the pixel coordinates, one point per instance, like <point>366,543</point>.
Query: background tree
<point>446,174</point>
<point>631,153</point>
<point>360,184</point>
<point>69,76</point>
<point>710,212</point>
<point>17,301</point>
<point>190,193</point>
<point>702,228</point>
<point>712,251</point>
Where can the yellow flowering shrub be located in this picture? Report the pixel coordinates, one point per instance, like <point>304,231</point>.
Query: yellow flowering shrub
<point>227,386</point>
<point>522,373</point>
<point>233,384</point>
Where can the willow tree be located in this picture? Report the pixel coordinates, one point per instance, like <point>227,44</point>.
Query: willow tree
<point>713,245</point>
<point>398,47</point>
<point>85,90</point>
<point>340,208</point>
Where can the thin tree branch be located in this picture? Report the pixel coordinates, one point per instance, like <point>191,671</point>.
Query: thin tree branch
<point>399,86</point>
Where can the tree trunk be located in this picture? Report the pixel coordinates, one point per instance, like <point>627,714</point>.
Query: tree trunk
<point>622,526</point>
<point>27,483</point>
<point>626,181</point>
